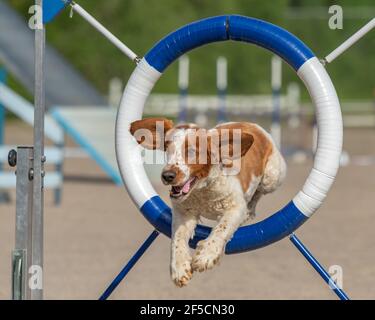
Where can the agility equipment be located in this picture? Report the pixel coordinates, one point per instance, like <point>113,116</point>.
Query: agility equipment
<point>308,68</point>
<point>283,223</point>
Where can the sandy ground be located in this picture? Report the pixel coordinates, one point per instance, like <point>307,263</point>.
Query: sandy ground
<point>97,228</point>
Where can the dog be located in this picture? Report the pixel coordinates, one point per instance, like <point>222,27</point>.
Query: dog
<point>219,174</point>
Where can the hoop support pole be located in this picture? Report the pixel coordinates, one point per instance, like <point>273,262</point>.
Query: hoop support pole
<point>134,259</point>
<point>37,219</point>
<point>350,41</point>
<point>22,253</point>
<point>105,32</point>
<point>318,267</point>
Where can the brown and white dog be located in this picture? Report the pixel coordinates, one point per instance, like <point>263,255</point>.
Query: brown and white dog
<point>219,174</point>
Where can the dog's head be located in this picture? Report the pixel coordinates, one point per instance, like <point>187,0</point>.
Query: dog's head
<point>191,151</point>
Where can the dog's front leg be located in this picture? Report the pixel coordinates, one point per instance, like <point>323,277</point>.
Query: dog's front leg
<point>183,227</point>
<point>209,251</point>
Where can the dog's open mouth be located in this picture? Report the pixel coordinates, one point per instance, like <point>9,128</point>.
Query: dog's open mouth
<point>182,190</point>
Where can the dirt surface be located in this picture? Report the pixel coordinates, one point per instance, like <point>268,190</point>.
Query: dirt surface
<point>97,229</point>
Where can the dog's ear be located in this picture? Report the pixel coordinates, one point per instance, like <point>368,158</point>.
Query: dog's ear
<point>150,132</point>
<point>247,141</point>
<point>228,143</point>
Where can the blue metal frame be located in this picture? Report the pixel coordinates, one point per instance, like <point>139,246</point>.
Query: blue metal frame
<point>151,238</point>
<point>293,238</point>
<point>318,267</point>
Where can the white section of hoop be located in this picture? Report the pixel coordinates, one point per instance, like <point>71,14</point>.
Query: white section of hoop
<point>329,146</point>
<point>128,152</point>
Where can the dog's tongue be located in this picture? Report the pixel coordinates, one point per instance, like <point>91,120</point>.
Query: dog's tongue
<point>186,187</point>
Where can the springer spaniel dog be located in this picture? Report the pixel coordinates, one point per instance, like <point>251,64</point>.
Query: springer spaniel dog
<point>219,174</point>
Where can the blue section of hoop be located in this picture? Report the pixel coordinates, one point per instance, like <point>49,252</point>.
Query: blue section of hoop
<point>246,238</point>
<point>229,27</point>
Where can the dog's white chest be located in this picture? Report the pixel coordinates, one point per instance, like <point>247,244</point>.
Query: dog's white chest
<point>210,201</point>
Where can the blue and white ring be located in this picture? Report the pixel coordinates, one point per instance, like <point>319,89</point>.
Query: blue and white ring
<point>308,68</point>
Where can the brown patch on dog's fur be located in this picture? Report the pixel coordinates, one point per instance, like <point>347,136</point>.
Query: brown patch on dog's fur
<point>150,125</point>
<point>249,133</point>
<point>223,135</point>
<point>254,161</point>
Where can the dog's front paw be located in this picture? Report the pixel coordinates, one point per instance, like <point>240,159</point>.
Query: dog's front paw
<point>207,254</point>
<point>181,273</point>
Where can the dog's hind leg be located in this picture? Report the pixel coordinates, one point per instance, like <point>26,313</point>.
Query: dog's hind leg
<point>183,227</point>
<point>251,205</point>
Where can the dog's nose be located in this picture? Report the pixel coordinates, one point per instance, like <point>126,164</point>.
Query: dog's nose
<point>168,176</point>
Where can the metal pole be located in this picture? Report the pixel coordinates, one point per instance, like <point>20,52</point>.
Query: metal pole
<point>134,259</point>
<point>350,41</point>
<point>21,257</point>
<point>38,165</point>
<point>105,32</point>
<point>318,267</point>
